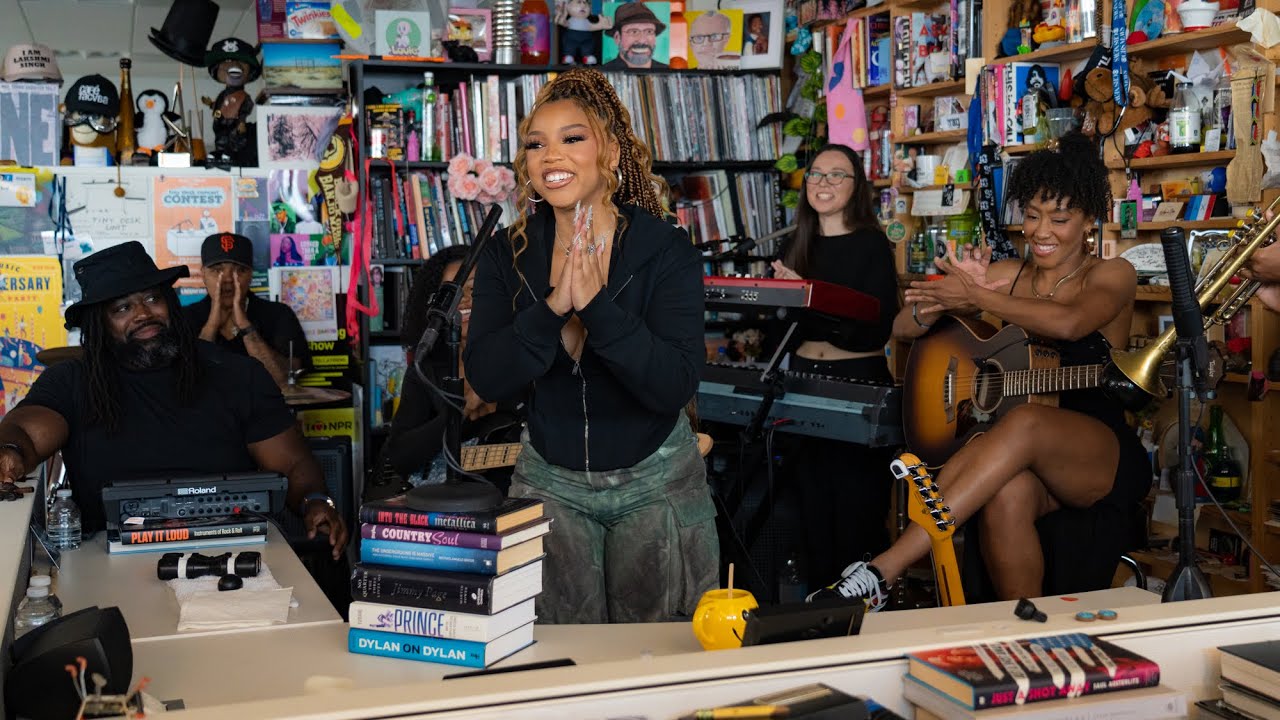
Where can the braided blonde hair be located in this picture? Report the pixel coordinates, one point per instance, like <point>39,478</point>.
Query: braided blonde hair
<point>610,122</point>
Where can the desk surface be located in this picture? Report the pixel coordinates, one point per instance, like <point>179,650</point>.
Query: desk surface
<point>91,576</point>
<point>15,519</point>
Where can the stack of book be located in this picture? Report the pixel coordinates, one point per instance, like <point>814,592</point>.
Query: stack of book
<point>1072,675</point>
<point>454,588</point>
<point>172,535</point>
<point>1250,682</point>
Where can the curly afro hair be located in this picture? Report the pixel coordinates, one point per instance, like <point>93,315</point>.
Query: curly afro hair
<point>1072,174</point>
<point>429,278</point>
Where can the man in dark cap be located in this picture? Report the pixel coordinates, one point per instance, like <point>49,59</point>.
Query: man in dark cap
<point>239,321</point>
<point>635,30</point>
<point>149,399</point>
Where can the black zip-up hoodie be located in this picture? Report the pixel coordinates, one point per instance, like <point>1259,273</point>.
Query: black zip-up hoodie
<point>644,348</point>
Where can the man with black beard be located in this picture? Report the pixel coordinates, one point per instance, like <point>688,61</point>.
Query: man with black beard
<point>149,399</point>
<point>635,30</point>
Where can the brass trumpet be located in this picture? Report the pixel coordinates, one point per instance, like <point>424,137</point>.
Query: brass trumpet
<point>1141,368</point>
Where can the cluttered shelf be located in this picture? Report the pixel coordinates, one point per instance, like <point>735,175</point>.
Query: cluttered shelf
<point>935,138</point>
<point>1223,223</point>
<point>957,186</point>
<point>877,90</point>
<point>1067,52</point>
<point>1217,36</point>
<point>1022,149</point>
<point>943,87</point>
<point>1174,161</point>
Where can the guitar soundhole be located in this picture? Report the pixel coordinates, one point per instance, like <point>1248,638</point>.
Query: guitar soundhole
<point>987,387</point>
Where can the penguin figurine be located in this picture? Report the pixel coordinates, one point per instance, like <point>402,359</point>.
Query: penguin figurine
<point>151,106</point>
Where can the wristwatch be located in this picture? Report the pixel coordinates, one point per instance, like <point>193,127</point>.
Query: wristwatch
<point>242,332</point>
<point>316,496</point>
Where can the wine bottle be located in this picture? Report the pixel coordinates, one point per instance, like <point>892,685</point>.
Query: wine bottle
<point>126,141</point>
<point>1222,472</point>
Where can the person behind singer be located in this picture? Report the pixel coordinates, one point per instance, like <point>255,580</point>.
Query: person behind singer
<point>838,240</point>
<point>1036,459</point>
<point>604,321</point>
<point>417,430</point>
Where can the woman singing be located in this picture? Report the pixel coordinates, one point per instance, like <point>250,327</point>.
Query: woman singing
<point>592,303</point>
<point>844,487</point>
<point>1080,456</point>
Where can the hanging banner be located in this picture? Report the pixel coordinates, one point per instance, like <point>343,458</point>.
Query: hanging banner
<point>30,321</point>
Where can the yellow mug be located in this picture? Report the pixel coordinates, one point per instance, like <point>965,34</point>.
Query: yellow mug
<point>718,621</point>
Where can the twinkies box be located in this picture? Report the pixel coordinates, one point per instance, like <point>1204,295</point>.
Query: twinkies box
<point>295,20</point>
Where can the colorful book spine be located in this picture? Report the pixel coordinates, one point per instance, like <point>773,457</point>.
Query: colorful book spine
<point>427,622</point>
<point>415,518</point>
<point>179,534</point>
<point>438,650</point>
<point>396,533</point>
<point>431,557</point>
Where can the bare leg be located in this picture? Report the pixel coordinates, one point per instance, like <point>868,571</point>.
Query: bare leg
<point>1073,455</point>
<point>1010,543</point>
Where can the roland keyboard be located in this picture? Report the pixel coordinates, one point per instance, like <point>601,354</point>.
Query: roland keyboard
<point>829,298</point>
<point>815,405</point>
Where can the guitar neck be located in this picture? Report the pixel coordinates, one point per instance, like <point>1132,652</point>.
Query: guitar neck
<point>1050,380</point>
<point>486,457</point>
<point>946,571</point>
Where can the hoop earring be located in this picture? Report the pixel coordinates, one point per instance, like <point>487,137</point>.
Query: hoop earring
<point>1091,243</point>
<point>618,171</point>
<point>532,192</point>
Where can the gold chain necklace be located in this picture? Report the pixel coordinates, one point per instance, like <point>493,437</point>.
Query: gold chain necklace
<point>1068,276</point>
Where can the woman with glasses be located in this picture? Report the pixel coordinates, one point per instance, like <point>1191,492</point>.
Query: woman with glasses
<point>838,240</point>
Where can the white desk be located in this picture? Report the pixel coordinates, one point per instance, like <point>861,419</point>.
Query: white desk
<point>91,576</point>
<point>15,519</point>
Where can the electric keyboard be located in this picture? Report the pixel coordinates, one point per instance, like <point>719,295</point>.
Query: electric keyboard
<point>815,295</point>
<point>815,405</point>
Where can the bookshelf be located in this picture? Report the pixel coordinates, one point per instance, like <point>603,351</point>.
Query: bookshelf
<point>727,146</point>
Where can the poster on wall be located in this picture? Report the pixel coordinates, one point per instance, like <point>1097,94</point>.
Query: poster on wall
<point>311,292</point>
<point>101,218</point>
<point>187,210</point>
<point>23,230</point>
<point>30,321</point>
<point>30,126</point>
<point>253,221</point>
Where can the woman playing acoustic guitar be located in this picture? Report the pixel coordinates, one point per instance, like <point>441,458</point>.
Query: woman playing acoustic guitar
<point>1036,459</point>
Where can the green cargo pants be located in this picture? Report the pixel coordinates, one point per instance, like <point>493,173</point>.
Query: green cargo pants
<point>637,544</point>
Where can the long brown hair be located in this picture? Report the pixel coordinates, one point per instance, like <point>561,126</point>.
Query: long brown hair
<point>858,213</point>
<point>610,121</point>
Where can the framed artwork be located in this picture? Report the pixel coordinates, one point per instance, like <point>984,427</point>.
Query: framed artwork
<point>763,22</point>
<point>715,39</point>
<point>294,136</point>
<point>470,27</point>
<point>402,33</point>
<point>639,38</point>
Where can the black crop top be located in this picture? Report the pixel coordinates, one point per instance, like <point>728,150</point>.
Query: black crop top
<point>861,260</point>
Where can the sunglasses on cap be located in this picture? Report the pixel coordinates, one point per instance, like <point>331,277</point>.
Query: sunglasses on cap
<point>100,123</point>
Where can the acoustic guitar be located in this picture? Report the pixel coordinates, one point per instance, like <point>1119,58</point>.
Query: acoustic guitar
<point>926,508</point>
<point>964,375</point>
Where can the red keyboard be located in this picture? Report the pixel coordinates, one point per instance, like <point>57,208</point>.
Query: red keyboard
<point>814,295</point>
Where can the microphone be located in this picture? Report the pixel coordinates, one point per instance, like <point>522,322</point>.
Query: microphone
<point>444,302</point>
<point>1188,321</point>
<point>737,251</point>
<point>745,245</point>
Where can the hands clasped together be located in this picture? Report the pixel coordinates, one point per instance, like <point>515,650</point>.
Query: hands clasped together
<point>583,273</point>
<point>965,274</point>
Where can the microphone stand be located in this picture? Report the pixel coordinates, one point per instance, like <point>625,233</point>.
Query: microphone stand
<point>1187,582</point>
<point>458,494</point>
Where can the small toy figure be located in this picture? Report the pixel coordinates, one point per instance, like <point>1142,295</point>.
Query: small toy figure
<point>152,106</point>
<point>580,36</point>
<point>89,112</point>
<point>234,63</point>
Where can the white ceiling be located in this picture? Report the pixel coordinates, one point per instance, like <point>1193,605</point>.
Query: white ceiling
<point>90,36</point>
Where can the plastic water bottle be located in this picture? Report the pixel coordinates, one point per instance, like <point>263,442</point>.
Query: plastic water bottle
<point>64,522</point>
<point>34,611</point>
<point>45,581</point>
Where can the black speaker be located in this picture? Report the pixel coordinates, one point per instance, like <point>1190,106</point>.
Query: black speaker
<point>38,685</point>
<point>334,456</point>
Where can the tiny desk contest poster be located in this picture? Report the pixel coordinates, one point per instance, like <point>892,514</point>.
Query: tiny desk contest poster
<point>30,321</point>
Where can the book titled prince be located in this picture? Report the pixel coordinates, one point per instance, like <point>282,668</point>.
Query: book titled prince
<point>988,675</point>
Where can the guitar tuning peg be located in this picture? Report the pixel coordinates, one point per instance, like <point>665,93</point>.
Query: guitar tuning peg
<point>946,508</point>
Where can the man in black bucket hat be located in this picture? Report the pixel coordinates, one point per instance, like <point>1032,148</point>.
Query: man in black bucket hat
<point>148,399</point>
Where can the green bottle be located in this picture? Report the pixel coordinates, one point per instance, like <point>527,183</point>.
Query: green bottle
<point>1222,472</point>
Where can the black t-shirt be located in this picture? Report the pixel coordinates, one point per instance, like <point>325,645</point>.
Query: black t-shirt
<point>275,322</point>
<point>861,260</point>
<point>237,404</point>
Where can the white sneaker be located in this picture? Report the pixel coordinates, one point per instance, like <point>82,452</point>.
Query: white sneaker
<point>858,580</point>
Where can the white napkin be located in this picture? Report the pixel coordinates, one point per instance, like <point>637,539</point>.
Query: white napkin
<point>202,606</point>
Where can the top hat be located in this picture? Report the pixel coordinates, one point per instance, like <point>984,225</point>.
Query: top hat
<point>186,31</point>
<point>633,13</point>
<point>116,272</point>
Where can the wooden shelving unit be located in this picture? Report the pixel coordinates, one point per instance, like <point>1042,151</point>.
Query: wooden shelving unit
<point>958,186</point>
<point>1065,53</point>
<point>1216,36</point>
<point>1220,157</point>
<point>876,91</point>
<point>1022,149</point>
<point>1210,224</point>
<point>945,137</point>
<point>937,89</point>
